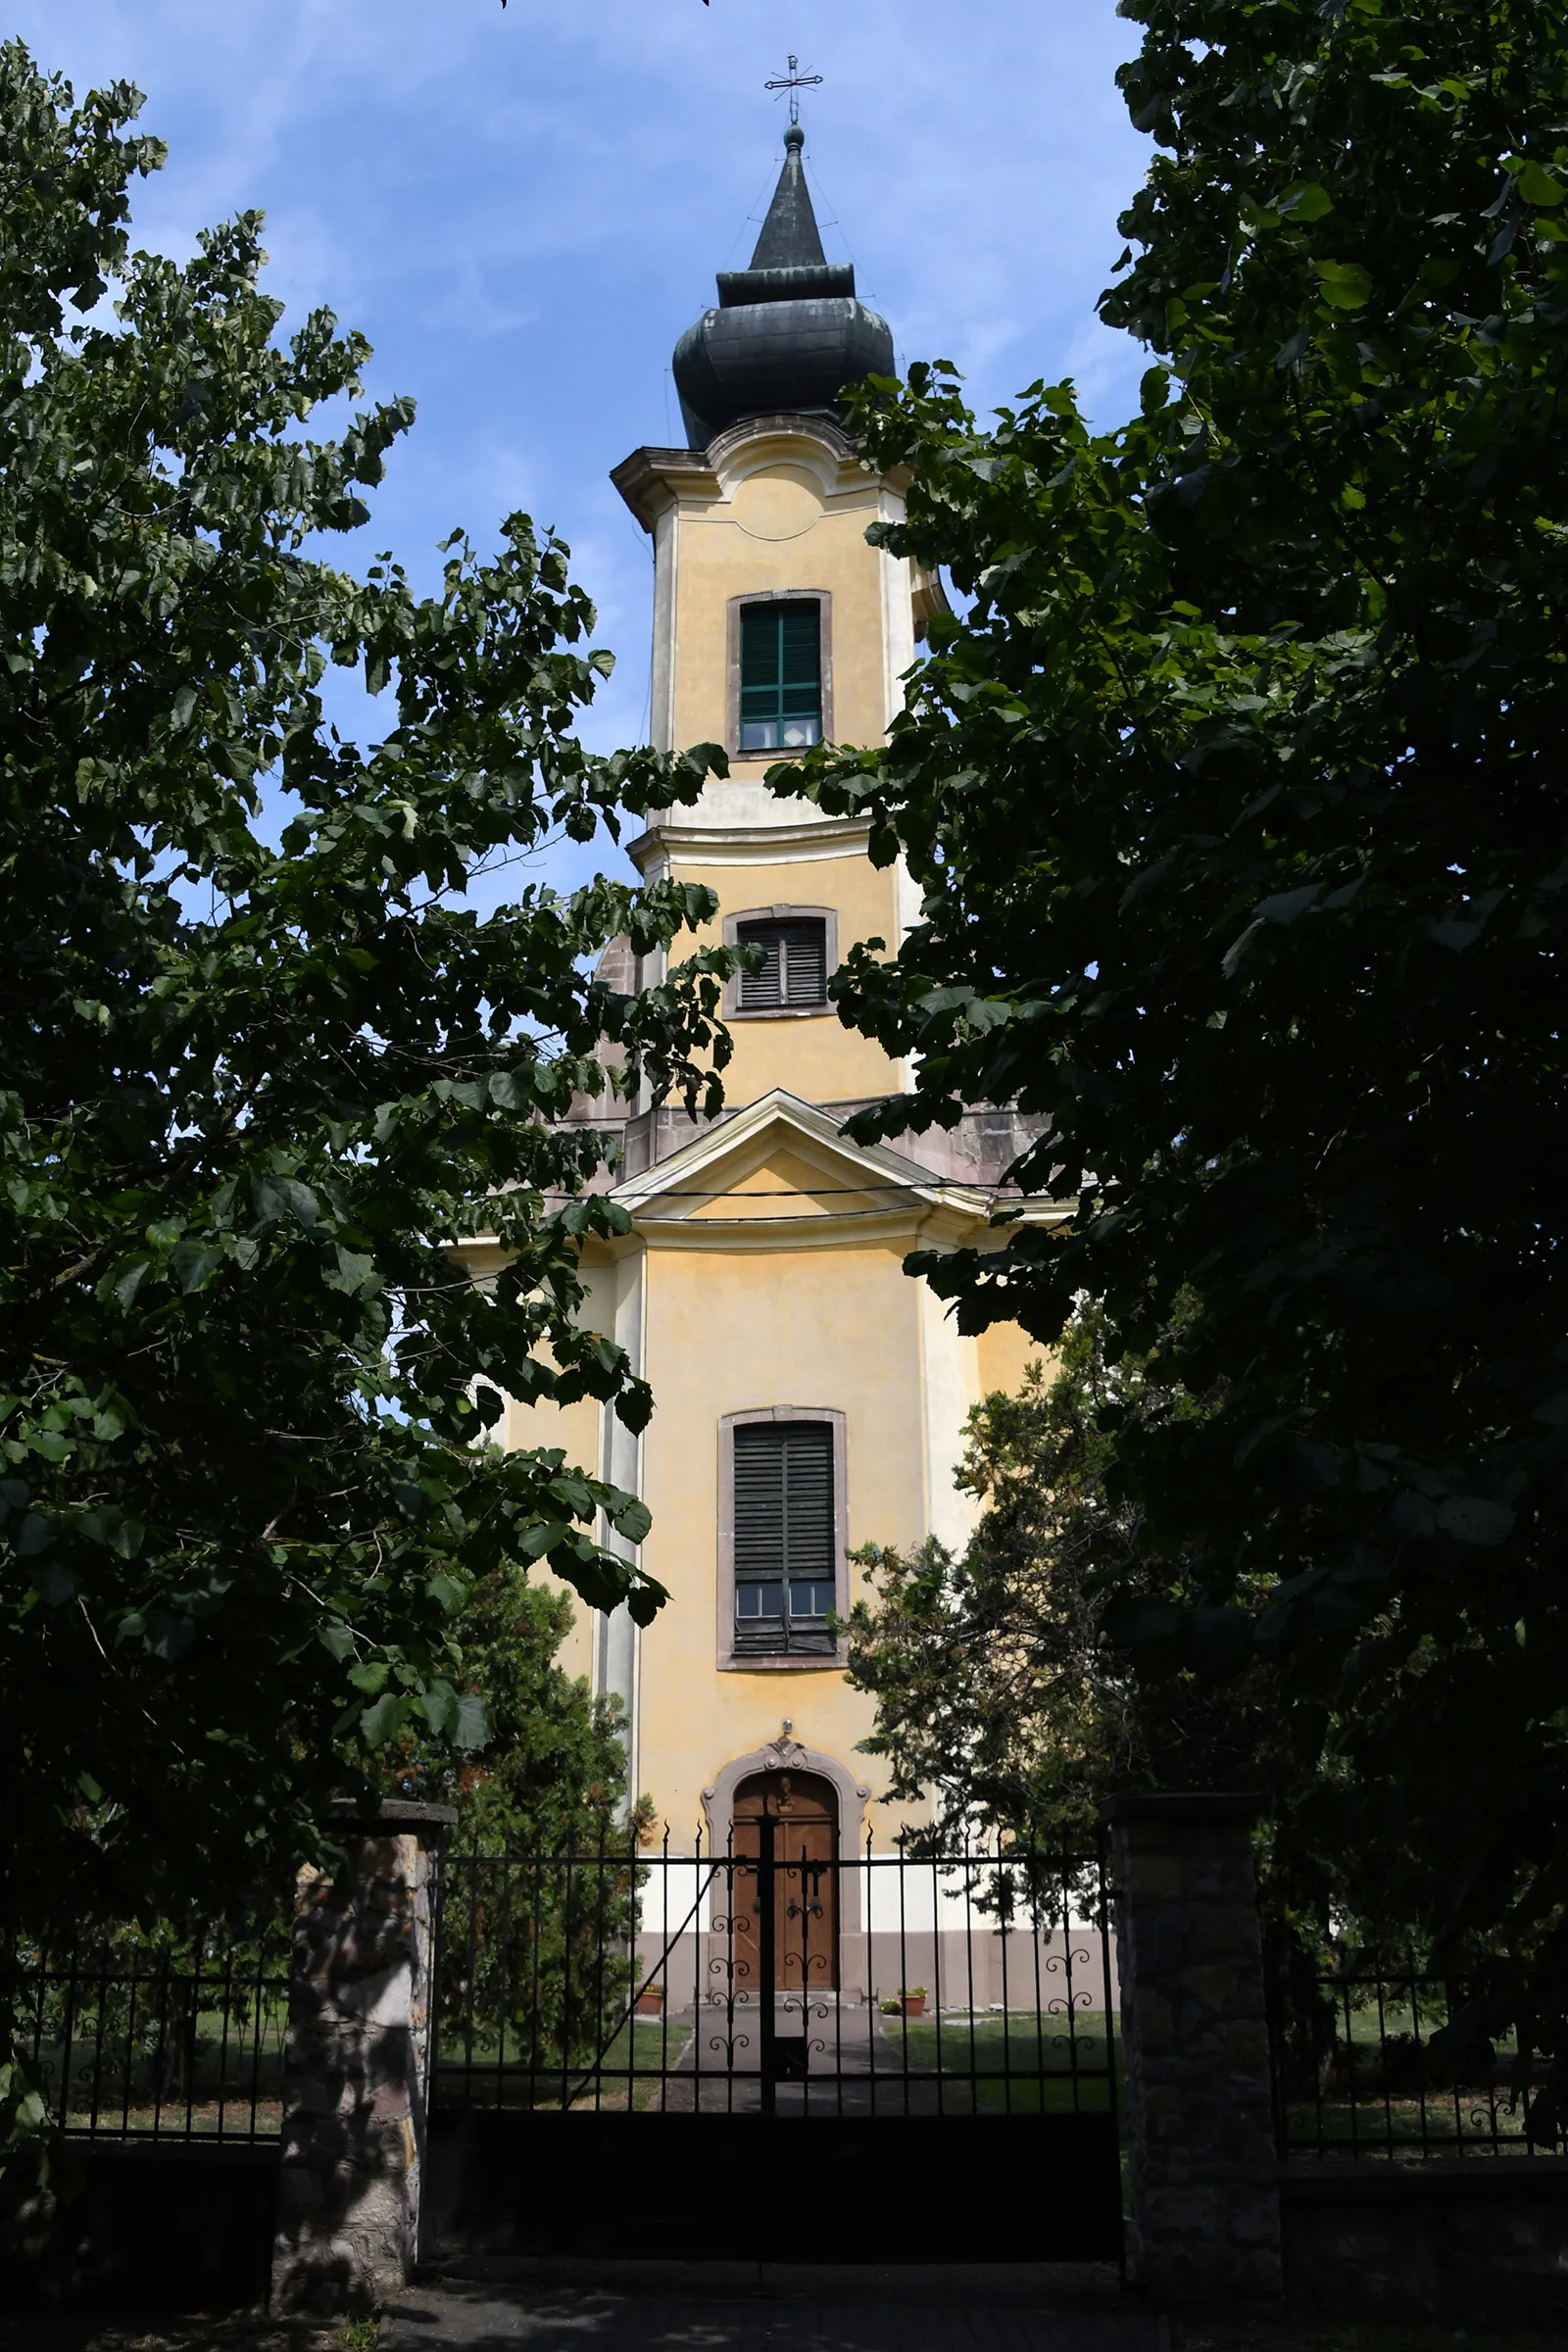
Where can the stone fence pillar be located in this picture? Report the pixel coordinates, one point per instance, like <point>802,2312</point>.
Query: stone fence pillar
<point>1206,2208</point>
<point>356,2063</point>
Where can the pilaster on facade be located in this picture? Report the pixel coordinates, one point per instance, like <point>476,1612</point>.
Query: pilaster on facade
<point>616,1653</point>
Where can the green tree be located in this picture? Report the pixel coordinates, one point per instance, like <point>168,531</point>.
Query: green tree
<point>541,1878</point>
<point>253,1098</point>
<point>993,1684</point>
<point>1234,797</point>
<point>997,1691</point>
<point>552,1773</point>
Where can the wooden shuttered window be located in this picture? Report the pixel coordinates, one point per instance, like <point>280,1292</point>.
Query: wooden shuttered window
<point>781,677</point>
<point>794,968</point>
<point>786,1550</point>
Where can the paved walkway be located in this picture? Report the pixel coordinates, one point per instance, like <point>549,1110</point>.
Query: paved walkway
<point>558,2307</point>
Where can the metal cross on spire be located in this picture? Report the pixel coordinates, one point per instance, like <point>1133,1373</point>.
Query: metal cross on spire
<point>794,82</point>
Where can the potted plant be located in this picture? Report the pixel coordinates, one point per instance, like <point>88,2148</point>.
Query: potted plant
<point>651,2001</point>
<point>908,2001</point>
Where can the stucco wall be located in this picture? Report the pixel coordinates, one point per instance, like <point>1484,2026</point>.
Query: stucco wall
<point>579,1431</point>
<point>781,531</point>
<point>1005,1352</point>
<point>575,1429</point>
<point>736,1322</point>
<point>812,1054</point>
<point>732,1330</point>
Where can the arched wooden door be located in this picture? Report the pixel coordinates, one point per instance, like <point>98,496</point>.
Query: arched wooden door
<point>794,1817</point>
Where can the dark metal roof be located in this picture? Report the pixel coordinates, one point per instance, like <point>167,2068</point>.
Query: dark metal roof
<point>788,334</point>
<point>789,235</point>
<point>737,286</point>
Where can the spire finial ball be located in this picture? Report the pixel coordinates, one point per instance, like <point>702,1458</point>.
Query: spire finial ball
<point>795,136</point>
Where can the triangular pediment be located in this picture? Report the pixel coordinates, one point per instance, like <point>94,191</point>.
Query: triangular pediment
<point>782,1158</point>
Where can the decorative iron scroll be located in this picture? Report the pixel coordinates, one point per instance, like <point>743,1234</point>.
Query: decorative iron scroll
<point>654,1978</point>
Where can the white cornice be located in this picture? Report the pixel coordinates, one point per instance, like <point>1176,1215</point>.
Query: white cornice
<point>953,1224</point>
<point>650,479</point>
<point>821,431</point>
<point>671,1207</point>
<point>846,1228</point>
<point>751,844</point>
<point>653,479</point>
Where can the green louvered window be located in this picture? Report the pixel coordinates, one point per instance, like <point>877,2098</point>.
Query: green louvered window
<point>781,677</point>
<point>785,1547</point>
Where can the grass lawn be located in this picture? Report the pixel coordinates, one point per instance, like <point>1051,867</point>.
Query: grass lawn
<point>1029,2059</point>
<point>628,2073</point>
<point>1393,2126</point>
<point>1387,2092</point>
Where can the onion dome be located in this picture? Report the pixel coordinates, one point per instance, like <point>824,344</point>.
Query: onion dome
<point>788,334</point>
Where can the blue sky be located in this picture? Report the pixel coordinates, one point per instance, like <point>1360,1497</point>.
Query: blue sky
<point>523,210</point>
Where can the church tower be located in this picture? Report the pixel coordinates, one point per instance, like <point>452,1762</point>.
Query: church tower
<point>776,626</point>
<point>809,1398</point>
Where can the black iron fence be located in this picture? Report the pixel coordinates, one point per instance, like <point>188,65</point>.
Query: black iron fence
<point>160,2036</point>
<point>1373,2058</point>
<point>775,1976</point>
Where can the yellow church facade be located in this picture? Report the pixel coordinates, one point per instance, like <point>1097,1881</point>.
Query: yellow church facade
<point>811,1399</point>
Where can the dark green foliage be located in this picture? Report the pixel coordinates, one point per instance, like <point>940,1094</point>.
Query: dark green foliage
<point>553,1772</point>
<point>251,1097</point>
<point>537,1950</point>
<point>990,1670</point>
<point>1237,802</point>
<point>154,2028</point>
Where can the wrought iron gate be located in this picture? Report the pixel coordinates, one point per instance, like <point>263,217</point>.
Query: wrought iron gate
<point>625,2040</point>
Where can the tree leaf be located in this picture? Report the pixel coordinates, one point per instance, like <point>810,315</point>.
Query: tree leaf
<point>387,1715</point>
<point>1307,200</point>
<point>633,1520</point>
<point>1345,284</point>
<point>1474,1520</point>
<point>1537,185</point>
<point>470,1727</point>
<point>193,1264</point>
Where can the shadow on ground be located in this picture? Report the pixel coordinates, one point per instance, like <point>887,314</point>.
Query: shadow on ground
<point>753,2307</point>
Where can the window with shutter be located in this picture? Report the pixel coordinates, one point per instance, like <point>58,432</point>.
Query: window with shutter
<point>795,963</point>
<point>781,677</point>
<point>785,1548</point>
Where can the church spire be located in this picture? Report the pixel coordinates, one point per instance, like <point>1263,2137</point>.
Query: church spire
<point>790,238</point>
<point>788,334</point>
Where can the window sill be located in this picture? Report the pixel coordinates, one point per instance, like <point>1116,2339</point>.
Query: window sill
<point>779,1012</point>
<point>806,1663</point>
